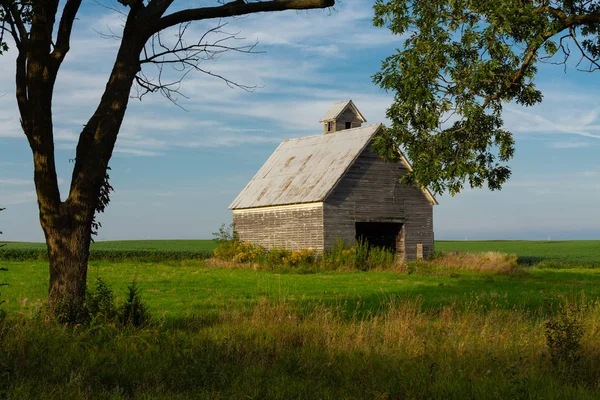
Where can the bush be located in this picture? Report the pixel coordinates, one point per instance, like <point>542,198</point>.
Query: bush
<point>100,302</point>
<point>305,257</point>
<point>563,336</point>
<point>361,256</point>
<point>239,252</point>
<point>341,256</point>
<point>133,311</point>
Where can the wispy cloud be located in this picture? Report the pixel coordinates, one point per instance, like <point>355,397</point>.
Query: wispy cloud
<point>16,182</point>
<point>569,145</point>
<point>7,199</point>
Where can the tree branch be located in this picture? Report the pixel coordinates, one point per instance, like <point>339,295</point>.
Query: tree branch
<point>64,30</point>
<point>238,7</point>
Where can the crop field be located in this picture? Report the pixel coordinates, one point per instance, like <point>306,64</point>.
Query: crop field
<point>129,245</point>
<point>233,332</point>
<point>578,253</point>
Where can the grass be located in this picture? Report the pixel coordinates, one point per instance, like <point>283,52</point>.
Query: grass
<point>460,327</point>
<point>181,289</point>
<point>272,352</point>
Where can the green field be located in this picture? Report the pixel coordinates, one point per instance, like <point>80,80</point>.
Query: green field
<point>128,245</point>
<point>234,333</point>
<point>575,252</point>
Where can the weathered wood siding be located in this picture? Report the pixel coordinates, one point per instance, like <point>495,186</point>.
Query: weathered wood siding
<point>340,123</point>
<point>370,191</point>
<point>290,227</point>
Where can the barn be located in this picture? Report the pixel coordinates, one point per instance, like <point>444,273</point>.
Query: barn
<point>316,190</point>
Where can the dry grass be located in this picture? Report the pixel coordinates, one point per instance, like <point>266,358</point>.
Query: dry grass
<point>490,261</point>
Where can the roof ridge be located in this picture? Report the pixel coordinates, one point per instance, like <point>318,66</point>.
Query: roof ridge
<point>332,133</point>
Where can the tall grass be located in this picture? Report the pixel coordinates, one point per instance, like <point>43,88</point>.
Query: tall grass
<point>489,261</point>
<point>275,351</point>
<point>360,256</point>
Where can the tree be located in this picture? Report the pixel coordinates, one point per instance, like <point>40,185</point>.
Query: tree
<point>461,60</point>
<point>42,40</point>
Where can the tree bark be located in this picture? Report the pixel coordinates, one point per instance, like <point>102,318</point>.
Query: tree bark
<point>68,242</point>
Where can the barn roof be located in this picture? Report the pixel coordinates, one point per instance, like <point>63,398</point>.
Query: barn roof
<point>338,108</point>
<point>305,170</point>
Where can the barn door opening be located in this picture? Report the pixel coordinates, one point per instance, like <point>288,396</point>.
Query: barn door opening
<point>389,235</point>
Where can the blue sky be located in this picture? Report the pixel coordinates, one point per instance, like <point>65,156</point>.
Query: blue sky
<point>175,172</point>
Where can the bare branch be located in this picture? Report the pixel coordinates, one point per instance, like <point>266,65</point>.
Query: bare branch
<point>234,8</point>
<point>184,58</point>
<point>594,64</point>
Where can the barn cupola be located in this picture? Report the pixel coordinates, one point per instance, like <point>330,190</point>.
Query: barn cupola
<point>343,115</point>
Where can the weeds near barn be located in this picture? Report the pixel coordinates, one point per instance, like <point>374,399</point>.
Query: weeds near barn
<point>360,257</point>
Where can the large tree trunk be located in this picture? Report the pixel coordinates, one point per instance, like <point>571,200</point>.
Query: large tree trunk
<point>68,244</point>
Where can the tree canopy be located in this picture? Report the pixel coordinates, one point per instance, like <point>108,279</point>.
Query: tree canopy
<point>461,61</point>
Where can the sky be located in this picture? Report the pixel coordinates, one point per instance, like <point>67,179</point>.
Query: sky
<point>176,169</point>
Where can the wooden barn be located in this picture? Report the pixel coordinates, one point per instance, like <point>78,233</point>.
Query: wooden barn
<point>316,190</point>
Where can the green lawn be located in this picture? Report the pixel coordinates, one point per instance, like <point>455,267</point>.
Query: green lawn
<point>178,289</point>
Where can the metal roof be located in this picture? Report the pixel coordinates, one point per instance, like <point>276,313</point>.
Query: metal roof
<point>305,170</point>
<point>339,108</point>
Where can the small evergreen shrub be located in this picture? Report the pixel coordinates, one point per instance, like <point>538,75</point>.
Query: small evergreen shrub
<point>134,311</point>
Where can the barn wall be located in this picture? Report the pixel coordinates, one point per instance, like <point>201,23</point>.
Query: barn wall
<point>291,227</point>
<point>371,192</point>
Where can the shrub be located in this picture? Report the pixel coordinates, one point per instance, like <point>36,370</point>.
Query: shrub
<point>361,255</point>
<point>300,257</point>
<point>134,310</point>
<point>226,233</point>
<point>341,256</point>
<point>240,252</point>
<point>380,258</point>
<point>100,302</point>
<point>563,337</point>
<point>275,257</point>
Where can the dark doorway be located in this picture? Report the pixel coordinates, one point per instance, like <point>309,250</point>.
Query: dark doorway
<point>381,234</point>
